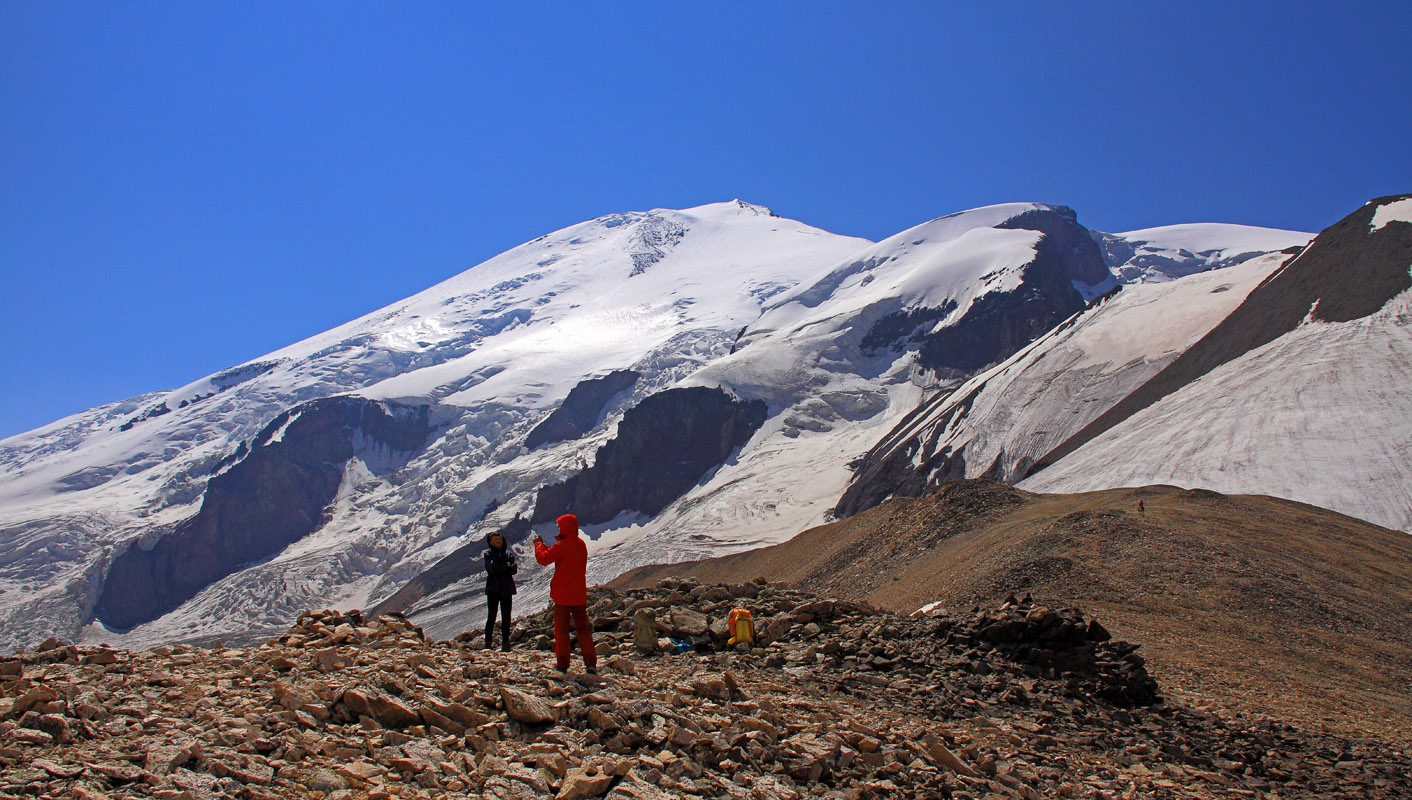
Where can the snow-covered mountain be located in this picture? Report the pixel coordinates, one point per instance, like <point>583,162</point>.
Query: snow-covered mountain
<point>1003,420</point>
<point>332,468</point>
<point>688,382</point>
<point>1284,375</point>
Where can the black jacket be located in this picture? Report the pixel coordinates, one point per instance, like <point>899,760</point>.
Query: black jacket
<point>500,569</point>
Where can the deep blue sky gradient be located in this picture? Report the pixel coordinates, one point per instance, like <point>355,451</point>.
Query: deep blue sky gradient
<point>186,186</point>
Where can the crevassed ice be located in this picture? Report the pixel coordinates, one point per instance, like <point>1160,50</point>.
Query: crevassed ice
<point>419,334</point>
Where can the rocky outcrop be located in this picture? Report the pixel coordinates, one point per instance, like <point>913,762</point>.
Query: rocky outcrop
<point>159,410</point>
<point>903,328</point>
<point>581,409</point>
<point>1018,640</point>
<point>999,324</point>
<point>1348,272</point>
<point>272,496</point>
<point>1058,643</point>
<point>664,445</point>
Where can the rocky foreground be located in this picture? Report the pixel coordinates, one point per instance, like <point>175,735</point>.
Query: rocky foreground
<point>836,700</point>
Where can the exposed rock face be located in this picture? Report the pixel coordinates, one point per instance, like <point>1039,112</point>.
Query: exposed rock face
<point>581,409</point>
<point>271,496</point>
<point>905,327</point>
<point>664,445</point>
<point>1349,271</point>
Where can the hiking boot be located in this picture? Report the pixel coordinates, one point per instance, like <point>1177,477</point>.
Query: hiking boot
<point>591,670</point>
<point>505,648</point>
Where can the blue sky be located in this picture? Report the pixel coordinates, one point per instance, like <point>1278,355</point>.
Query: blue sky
<point>186,186</point>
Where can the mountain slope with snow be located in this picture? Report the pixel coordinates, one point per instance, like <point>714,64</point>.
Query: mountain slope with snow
<point>1300,392</point>
<point>835,370</point>
<point>1001,421</point>
<point>1338,436</point>
<point>482,354</point>
<point>1284,375</point>
<point>693,382</point>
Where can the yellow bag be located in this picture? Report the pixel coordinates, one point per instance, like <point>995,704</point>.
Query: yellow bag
<point>741,626</point>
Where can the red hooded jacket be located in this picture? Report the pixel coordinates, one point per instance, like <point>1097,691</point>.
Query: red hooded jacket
<point>569,556</point>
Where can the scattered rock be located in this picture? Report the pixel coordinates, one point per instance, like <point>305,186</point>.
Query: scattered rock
<point>838,701</point>
<point>943,756</point>
<point>685,622</point>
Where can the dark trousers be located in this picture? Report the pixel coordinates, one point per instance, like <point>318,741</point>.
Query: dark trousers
<point>494,600</point>
<point>562,614</point>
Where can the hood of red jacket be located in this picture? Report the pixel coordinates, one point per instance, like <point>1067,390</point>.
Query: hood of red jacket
<point>568,526</point>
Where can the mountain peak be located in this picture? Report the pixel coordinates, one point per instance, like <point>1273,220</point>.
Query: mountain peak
<point>736,206</point>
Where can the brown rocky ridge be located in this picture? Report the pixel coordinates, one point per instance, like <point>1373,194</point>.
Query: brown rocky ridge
<point>1254,605</point>
<point>836,700</point>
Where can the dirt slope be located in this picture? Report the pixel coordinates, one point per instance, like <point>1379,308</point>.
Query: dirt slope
<point>1250,603</point>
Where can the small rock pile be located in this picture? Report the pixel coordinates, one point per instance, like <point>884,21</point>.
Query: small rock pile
<point>1057,644</point>
<point>329,628</point>
<point>834,700</point>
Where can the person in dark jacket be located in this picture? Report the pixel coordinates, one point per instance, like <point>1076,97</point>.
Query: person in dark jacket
<point>569,592</point>
<point>500,569</point>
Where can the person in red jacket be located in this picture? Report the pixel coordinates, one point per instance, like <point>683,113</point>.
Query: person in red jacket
<point>569,591</point>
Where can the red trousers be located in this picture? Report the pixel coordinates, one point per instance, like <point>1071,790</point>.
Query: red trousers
<point>561,635</point>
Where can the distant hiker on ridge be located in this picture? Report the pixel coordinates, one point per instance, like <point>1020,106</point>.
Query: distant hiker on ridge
<point>568,589</point>
<point>500,569</point>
